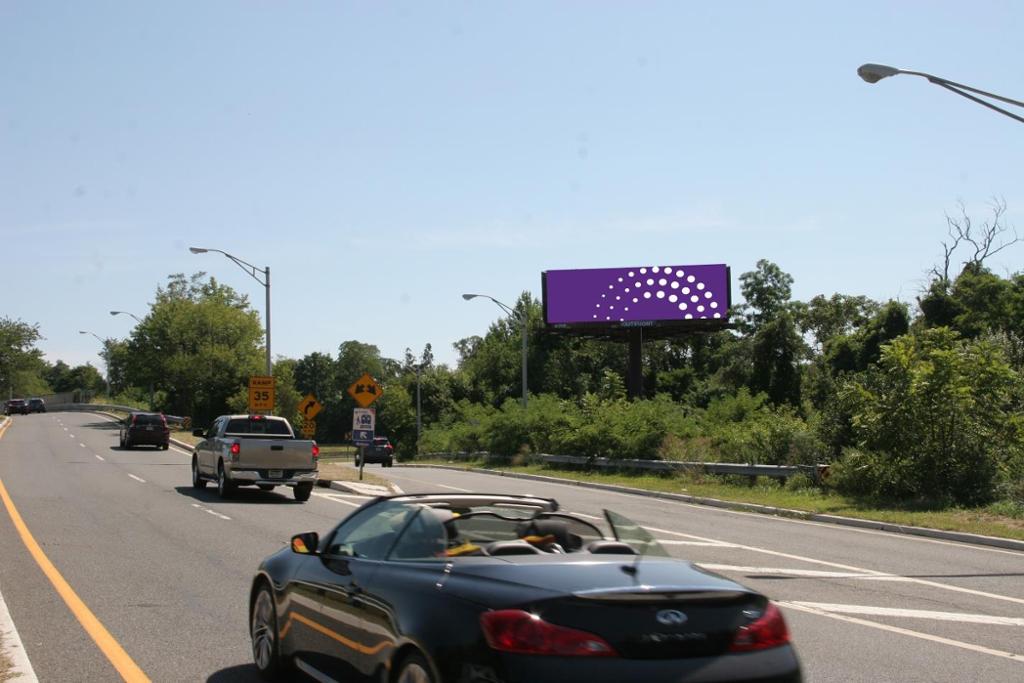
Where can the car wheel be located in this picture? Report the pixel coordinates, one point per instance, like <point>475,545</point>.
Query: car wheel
<point>224,487</point>
<point>197,480</point>
<point>414,669</point>
<point>266,647</point>
<point>127,444</point>
<point>389,462</point>
<point>266,487</point>
<point>165,446</point>
<point>302,492</point>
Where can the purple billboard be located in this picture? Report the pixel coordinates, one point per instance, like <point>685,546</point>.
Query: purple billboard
<point>617,297</point>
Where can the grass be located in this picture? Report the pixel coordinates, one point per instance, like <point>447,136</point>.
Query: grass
<point>336,469</point>
<point>1002,519</point>
<point>5,667</point>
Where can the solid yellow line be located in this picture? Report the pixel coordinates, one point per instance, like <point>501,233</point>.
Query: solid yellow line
<point>113,651</point>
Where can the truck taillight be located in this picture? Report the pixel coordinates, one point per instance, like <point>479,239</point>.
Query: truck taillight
<point>316,451</point>
<point>235,450</point>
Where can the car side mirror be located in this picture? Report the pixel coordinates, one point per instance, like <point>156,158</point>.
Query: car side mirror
<point>306,544</point>
<point>198,432</point>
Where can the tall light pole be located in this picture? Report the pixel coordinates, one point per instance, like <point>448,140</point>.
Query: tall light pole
<point>872,73</point>
<point>254,272</point>
<point>152,403</point>
<point>511,314</point>
<point>106,355</point>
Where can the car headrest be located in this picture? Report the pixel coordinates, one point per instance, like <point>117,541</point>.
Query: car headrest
<point>610,548</point>
<point>510,548</point>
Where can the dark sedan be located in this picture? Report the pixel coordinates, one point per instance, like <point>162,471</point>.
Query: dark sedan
<point>501,589</point>
<point>16,406</point>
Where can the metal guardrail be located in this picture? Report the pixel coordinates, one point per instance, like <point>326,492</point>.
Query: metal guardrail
<point>815,472</point>
<point>184,422</point>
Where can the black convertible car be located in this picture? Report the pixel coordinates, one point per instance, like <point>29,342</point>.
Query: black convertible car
<point>482,588</point>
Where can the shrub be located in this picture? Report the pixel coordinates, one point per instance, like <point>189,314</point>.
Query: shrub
<point>935,420</point>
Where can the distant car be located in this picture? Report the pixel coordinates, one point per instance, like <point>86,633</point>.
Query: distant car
<point>36,405</point>
<point>148,429</point>
<point>380,451</point>
<point>16,405</point>
<point>448,588</point>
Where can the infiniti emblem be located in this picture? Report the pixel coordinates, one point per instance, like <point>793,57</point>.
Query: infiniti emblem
<point>671,617</point>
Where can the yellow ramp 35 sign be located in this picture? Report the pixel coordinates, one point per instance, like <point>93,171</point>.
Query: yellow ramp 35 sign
<point>261,394</point>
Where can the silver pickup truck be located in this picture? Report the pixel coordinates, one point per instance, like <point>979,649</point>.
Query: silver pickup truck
<point>254,450</point>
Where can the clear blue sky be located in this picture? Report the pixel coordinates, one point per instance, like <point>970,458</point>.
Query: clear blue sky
<point>383,158</point>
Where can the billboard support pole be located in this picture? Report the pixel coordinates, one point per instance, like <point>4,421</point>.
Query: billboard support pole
<point>635,377</point>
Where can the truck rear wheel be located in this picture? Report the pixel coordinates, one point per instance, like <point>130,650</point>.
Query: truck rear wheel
<point>224,487</point>
<point>303,492</point>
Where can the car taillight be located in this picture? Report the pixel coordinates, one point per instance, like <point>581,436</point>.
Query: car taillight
<point>235,449</point>
<point>767,631</point>
<point>513,630</point>
<point>316,451</point>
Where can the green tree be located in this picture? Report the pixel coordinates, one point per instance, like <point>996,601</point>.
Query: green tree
<point>199,344</point>
<point>21,363</point>
<point>767,290</point>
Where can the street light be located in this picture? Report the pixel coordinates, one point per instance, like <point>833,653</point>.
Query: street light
<point>252,271</point>
<point>152,403</point>
<point>511,314</point>
<point>106,358</point>
<point>872,73</point>
<point>126,313</point>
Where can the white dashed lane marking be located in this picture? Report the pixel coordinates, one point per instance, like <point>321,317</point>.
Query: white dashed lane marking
<point>99,457</point>
<point>138,479</point>
<point>212,512</point>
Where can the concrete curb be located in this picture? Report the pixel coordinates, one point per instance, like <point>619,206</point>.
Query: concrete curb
<point>957,536</point>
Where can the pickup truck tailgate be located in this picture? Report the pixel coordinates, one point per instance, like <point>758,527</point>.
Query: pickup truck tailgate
<point>278,455</point>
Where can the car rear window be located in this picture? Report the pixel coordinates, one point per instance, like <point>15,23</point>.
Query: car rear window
<point>149,420</point>
<point>248,426</point>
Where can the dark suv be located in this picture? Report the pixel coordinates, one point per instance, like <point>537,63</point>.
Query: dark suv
<point>380,451</point>
<point>145,429</point>
<point>36,405</point>
<point>16,405</point>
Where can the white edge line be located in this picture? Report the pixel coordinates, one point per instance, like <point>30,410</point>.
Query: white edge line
<point>837,565</point>
<point>789,520</point>
<point>338,500</point>
<point>871,610</point>
<point>905,632</point>
<point>11,646</point>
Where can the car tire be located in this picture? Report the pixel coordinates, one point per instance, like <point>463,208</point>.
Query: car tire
<point>197,480</point>
<point>165,446</point>
<point>302,492</point>
<point>389,462</point>
<point>265,636</point>
<point>265,487</point>
<point>414,669</point>
<point>224,487</point>
<point>127,444</point>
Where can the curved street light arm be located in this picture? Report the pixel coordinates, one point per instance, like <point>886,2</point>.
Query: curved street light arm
<point>950,87</point>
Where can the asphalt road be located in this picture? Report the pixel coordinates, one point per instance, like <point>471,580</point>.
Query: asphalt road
<point>166,569</point>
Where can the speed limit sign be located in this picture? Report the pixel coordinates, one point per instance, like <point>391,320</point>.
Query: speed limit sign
<point>261,394</point>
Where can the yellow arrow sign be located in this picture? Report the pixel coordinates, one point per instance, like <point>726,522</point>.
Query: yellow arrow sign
<point>309,407</point>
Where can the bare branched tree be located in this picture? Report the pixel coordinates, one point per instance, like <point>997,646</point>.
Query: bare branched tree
<point>987,240</point>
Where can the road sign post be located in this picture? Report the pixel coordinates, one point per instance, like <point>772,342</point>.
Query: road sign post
<point>363,423</point>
